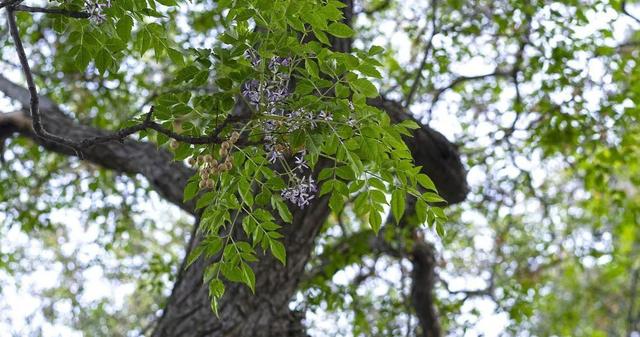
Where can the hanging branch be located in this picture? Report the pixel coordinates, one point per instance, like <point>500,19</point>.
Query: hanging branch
<point>77,146</point>
<point>55,11</point>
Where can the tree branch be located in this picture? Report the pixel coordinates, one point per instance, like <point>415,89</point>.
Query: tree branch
<point>78,145</point>
<point>623,6</point>
<point>129,156</point>
<point>461,79</point>
<point>416,81</point>
<point>55,11</point>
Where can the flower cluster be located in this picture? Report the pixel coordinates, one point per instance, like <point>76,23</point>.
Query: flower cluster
<point>302,192</point>
<point>96,10</point>
<point>274,89</point>
<point>268,96</point>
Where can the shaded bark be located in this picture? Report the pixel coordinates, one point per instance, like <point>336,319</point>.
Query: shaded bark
<point>423,280</point>
<point>166,176</point>
<point>242,313</point>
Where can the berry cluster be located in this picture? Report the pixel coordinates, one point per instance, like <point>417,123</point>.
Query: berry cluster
<point>208,166</point>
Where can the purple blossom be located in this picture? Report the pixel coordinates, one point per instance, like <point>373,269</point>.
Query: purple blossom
<point>301,193</point>
<point>251,91</point>
<point>325,116</point>
<point>276,94</point>
<point>253,58</point>
<point>277,62</point>
<point>96,11</point>
<point>299,161</point>
<point>273,154</point>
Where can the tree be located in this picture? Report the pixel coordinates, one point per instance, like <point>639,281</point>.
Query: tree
<point>289,136</point>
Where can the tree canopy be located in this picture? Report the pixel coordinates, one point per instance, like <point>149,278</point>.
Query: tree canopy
<point>263,168</point>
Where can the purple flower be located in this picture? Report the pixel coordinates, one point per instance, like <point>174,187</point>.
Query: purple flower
<point>301,193</point>
<point>276,94</point>
<point>253,58</point>
<point>251,91</point>
<point>277,62</point>
<point>96,11</point>
<point>301,164</point>
<point>273,155</point>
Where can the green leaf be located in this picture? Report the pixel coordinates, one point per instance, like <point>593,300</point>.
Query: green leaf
<point>339,29</point>
<point>375,50</point>
<point>167,2</point>
<point>336,202</point>
<point>421,211</point>
<point>205,200</point>
<point>312,68</point>
<point>244,188</point>
<point>426,182</point>
<point>398,199</point>
<point>282,208</point>
<point>216,288</point>
<point>248,277</point>
<point>321,36</point>
<point>278,251</point>
<point>175,56</point>
<point>124,27</point>
<point>364,87</point>
<point>432,197</point>
<point>375,220</point>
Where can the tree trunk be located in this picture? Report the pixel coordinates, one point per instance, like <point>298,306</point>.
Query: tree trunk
<point>423,280</point>
<point>265,313</point>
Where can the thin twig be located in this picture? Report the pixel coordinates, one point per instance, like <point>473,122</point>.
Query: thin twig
<point>416,82</point>
<point>459,80</point>
<point>149,124</point>
<point>623,6</point>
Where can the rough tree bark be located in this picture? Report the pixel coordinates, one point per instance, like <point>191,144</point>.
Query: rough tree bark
<point>267,312</point>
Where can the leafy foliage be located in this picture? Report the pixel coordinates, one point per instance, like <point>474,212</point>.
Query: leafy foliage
<point>541,96</point>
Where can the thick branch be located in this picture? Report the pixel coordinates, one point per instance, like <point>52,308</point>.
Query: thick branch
<point>129,156</point>
<point>55,11</point>
<point>438,157</point>
<point>78,144</point>
<point>423,278</point>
